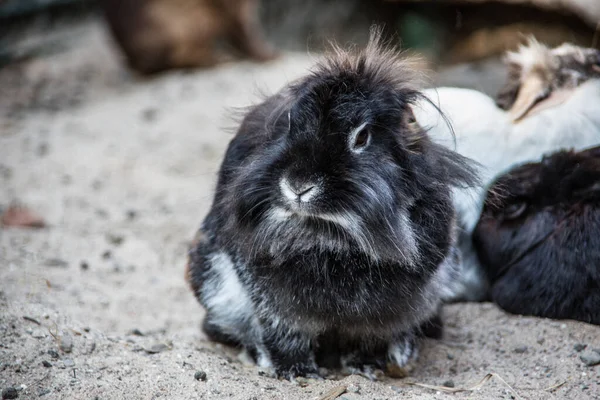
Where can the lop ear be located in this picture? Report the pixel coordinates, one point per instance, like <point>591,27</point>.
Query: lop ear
<point>533,90</point>
<point>534,97</point>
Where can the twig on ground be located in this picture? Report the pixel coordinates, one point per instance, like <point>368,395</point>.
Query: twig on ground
<point>31,319</point>
<point>334,393</point>
<point>478,386</point>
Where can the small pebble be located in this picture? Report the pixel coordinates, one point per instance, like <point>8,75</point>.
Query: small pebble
<point>97,184</point>
<point>200,376</point>
<point>352,388</point>
<point>53,354</point>
<point>450,356</point>
<point>579,347</point>
<point>156,348</point>
<point>84,266</point>
<point>66,343</point>
<point>541,341</point>
<point>38,334</point>
<point>137,332</point>
<point>68,362</point>
<point>21,217</point>
<point>520,349</point>
<point>448,383</point>
<point>114,239</point>
<point>349,396</point>
<point>46,364</point>
<point>106,255</point>
<point>10,393</point>
<point>590,359</point>
<point>43,392</point>
<point>149,114</point>
<point>131,214</point>
<point>42,149</point>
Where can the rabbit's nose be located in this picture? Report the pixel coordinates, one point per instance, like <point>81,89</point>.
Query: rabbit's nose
<point>298,191</point>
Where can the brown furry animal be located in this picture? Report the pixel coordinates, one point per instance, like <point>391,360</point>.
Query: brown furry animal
<point>157,35</point>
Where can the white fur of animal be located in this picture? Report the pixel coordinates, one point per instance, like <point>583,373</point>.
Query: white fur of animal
<point>555,105</point>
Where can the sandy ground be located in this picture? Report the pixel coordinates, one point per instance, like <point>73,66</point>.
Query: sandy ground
<point>95,305</point>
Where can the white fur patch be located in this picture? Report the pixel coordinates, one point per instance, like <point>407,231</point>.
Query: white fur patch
<point>349,222</point>
<point>279,214</point>
<point>410,243</point>
<point>446,281</point>
<point>307,193</point>
<point>226,295</point>
<point>263,361</point>
<point>402,352</point>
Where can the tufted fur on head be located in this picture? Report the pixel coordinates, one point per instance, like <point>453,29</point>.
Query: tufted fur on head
<point>332,218</point>
<point>538,237</point>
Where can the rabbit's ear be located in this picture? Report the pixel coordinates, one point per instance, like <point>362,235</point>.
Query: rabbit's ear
<point>532,90</point>
<point>534,96</point>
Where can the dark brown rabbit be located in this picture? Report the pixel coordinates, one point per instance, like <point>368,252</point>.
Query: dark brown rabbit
<point>157,35</point>
<point>538,238</point>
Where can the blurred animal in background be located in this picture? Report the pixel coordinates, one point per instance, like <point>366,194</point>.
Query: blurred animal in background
<point>470,30</point>
<point>332,231</point>
<point>551,101</point>
<point>539,237</point>
<point>157,35</point>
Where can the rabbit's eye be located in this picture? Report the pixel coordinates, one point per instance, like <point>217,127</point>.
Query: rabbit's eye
<point>361,140</point>
<point>515,210</point>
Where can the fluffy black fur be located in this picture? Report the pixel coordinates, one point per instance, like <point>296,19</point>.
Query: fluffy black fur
<point>362,264</point>
<point>538,237</point>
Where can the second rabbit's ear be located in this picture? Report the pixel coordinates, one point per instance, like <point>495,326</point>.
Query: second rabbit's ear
<point>533,89</point>
<point>534,96</point>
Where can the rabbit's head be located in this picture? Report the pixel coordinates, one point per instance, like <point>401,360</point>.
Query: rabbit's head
<point>337,161</point>
<point>537,236</point>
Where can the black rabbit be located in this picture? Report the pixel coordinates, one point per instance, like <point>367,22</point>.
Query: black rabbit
<point>538,238</point>
<point>332,218</point>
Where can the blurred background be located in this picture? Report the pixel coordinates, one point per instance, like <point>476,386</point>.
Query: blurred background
<point>114,117</point>
<point>104,41</point>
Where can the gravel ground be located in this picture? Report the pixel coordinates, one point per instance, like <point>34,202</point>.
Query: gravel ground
<point>94,306</point>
